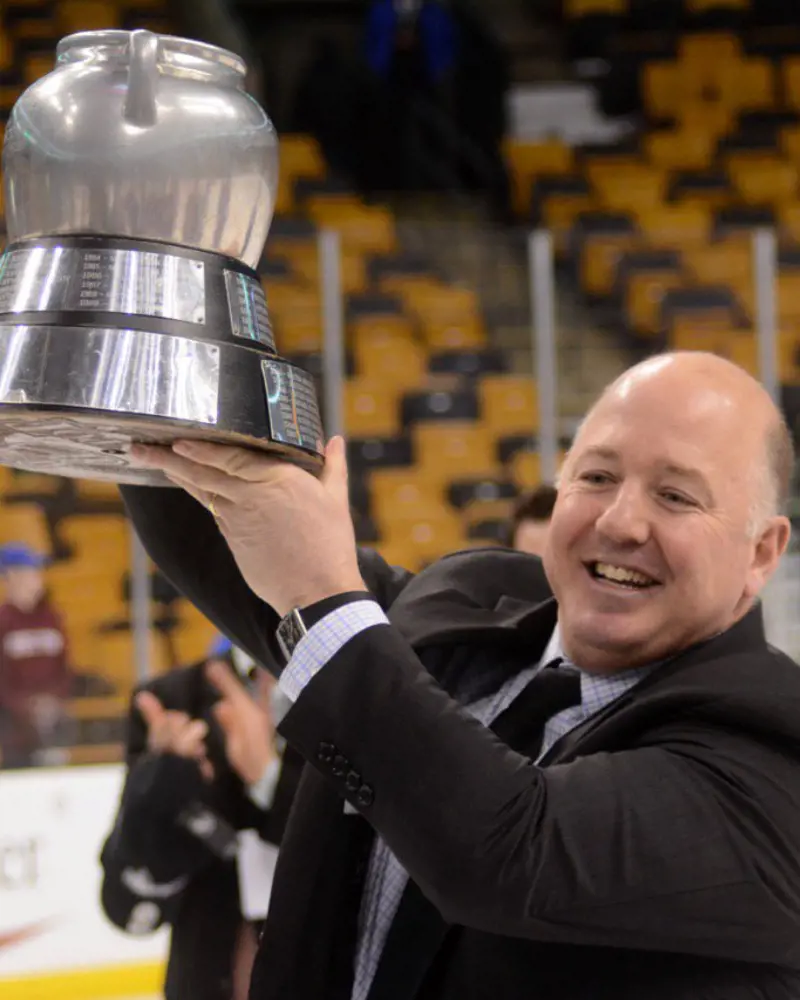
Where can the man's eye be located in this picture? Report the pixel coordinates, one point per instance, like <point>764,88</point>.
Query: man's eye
<point>677,498</point>
<point>596,478</point>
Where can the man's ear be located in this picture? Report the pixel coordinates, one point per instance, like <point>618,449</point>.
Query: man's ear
<point>770,547</point>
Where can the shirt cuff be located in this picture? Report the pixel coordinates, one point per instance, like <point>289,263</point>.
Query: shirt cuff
<point>324,640</point>
<point>262,793</point>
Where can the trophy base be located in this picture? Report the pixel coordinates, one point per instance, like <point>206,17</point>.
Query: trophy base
<point>92,445</point>
<point>106,341</point>
<point>74,399</point>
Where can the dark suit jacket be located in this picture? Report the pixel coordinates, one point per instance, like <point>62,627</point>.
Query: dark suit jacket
<point>190,886</point>
<point>655,853</point>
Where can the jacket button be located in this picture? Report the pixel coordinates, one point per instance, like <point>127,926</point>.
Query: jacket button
<point>353,781</point>
<point>340,765</point>
<point>326,752</point>
<point>365,796</point>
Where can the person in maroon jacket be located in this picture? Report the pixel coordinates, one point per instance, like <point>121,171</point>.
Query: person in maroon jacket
<point>35,679</point>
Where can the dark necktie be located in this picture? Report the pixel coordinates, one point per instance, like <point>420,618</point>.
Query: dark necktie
<point>417,931</point>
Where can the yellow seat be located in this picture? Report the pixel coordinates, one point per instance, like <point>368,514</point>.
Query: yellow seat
<point>526,469</point>
<point>369,328</point>
<point>24,524</point>
<point>453,449</point>
<point>34,67</point>
<point>666,88</point>
<point>114,657</point>
<point>304,260</point>
<point>98,533</point>
<point>633,188</point>
<point>30,483</point>
<point>676,226</point>
<point>708,49</point>
<point>599,257</point>
<point>403,493</point>
<point>397,361</point>
<point>95,489</point>
<point>371,409</point>
<point>529,160</point>
<point>370,229</point>
<point>790,142</point>
<point>301,156</point>
<point>583,8</point>
<point>644,293</point>
<point>791,81</point>
<point>426,537</point>
<point>87,15</point>
<point>748,85</point>
<point>728,262</point>
<point>713,118</point>
<point>193,635</point>
<point>449,316</point>
<point>789,221</point>
<point>509,404</point>
<point>762,180</point>
<point>680,148</point>
<point>788,295</point>
<point>702,6</point>
<point>296,314</point>
<point>6,51</point>
<point>559,213</point>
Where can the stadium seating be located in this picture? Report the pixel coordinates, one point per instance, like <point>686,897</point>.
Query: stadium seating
<point>440,432</point>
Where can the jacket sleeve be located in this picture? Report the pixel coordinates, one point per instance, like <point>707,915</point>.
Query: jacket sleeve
<point>181,537</point>
<point>687,843</point>
<point>148,860</point>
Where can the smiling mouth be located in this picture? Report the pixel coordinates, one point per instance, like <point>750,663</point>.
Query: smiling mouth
<point>620,576</point>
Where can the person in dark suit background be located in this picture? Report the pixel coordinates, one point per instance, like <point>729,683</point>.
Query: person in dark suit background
<point>206,797</point>
<point>589,796</point>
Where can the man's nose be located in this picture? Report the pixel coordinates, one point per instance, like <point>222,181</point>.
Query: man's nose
<point>626,520</point>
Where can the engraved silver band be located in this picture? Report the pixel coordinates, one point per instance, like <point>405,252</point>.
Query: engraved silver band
<point>131,282</point>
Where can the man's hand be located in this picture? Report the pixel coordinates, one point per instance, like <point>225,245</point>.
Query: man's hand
<point>247,726</point>
<point>174,732</point>
<point>291,534</point>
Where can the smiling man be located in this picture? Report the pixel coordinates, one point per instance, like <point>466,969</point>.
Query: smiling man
<point>592,797</point>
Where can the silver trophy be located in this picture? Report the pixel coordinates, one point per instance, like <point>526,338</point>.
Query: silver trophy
<point>140,181</point>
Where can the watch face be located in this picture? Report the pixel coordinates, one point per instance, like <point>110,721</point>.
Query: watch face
<point>290,631</point>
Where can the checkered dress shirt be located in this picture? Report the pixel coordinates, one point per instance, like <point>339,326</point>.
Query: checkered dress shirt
<point>386,878</point>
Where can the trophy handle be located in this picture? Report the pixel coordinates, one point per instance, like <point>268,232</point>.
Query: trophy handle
<point>140,104</point>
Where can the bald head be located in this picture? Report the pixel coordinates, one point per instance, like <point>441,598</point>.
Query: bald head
<point>710,384</point>
<point>667,527</point>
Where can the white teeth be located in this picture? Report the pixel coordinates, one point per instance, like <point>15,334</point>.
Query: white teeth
<point>621,575</point>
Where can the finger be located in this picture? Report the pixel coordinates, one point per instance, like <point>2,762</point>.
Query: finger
<point>240,463</point>
<point>198,476</point>
<point>207,769</point>
<point>226,682</point>
<point>225,714</point>
<point>150,708</point>
<point>334,475</point>
<point>190,741</point>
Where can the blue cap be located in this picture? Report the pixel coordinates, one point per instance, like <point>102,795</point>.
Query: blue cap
<point>220,647</point>
<point>15,555</point>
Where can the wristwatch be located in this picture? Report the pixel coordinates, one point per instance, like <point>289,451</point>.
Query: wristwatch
<point>296,624</point>
<point>290,631</point>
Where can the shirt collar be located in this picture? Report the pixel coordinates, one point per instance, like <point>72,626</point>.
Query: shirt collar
<point>596,688</point>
